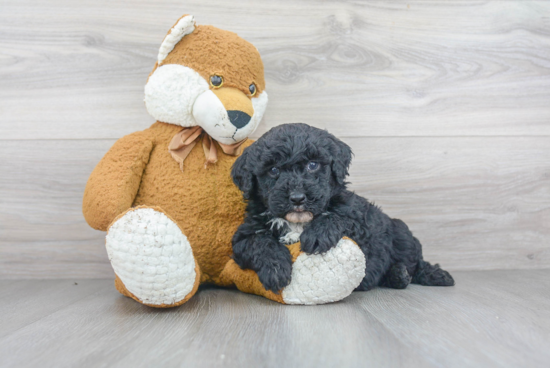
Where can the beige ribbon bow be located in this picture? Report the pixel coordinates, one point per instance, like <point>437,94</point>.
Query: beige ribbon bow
<point>183,142</point>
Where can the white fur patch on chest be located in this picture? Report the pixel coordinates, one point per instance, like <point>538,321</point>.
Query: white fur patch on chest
<point>291,230</point>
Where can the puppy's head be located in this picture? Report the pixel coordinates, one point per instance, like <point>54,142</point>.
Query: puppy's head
<point>293,170</point>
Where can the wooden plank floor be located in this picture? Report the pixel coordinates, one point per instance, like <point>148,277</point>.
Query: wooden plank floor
<point>491,318</point>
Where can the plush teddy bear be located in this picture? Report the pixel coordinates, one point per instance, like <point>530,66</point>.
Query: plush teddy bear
<point>165,197</point>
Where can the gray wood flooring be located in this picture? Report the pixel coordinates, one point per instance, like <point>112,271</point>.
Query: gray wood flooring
<point>445,104</point>
<point>489,319</point>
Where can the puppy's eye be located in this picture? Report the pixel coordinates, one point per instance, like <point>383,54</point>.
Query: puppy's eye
<point>216,81</point>
<point>252,89</point>
<point>313,166</point>
<point>274,172</point>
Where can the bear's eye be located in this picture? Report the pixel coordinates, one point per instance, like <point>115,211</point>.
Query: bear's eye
<point>313,166</point>
<point>252,89</point>
<point>274,172</point>
<point>216,81</point>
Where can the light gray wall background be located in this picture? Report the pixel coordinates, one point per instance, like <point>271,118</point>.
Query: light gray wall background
<point>446,105</point>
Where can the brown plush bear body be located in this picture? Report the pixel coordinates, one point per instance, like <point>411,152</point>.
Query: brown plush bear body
<point>170,217</point>
<point>204,202</point>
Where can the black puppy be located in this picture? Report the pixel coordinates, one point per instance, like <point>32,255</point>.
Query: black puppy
<point>293,178</point>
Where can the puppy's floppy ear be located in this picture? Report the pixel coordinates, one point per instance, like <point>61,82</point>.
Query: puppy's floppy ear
<point>241,173</point>
<point>341,159</point>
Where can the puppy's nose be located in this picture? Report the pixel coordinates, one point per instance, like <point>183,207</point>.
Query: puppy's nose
<point>297,198</point>
<point>238,118</point>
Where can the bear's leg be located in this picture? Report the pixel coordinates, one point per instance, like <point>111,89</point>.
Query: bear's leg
<point>316,278</point>
<point>152,258</point>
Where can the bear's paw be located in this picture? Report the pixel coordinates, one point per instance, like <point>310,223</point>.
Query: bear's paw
<point>328,277</point>
<point>152,257</point>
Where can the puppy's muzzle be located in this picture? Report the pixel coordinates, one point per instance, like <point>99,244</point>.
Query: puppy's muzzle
<point>299,214</point>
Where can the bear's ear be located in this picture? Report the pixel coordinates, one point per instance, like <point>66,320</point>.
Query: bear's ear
<point>242,175</point>
<point>341,159</point>
<point>184,26</point>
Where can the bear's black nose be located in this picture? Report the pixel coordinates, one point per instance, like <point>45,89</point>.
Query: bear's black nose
<point>238,118</point>
<point>297,198</point>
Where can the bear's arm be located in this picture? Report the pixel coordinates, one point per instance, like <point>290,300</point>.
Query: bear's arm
<point>113,185</point>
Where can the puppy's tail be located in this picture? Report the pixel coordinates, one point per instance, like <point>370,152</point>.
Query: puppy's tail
<point>431,275</point>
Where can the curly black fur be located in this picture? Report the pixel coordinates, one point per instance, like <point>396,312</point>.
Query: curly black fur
<point>278,166</point>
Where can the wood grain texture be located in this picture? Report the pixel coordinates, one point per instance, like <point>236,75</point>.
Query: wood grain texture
<point>489,319</point>
<point>475,203</point>
<point>40,299</point>
<point>444,103</point>
<point>377,68</point>
<point>42,230</point>
<point>484,310</point>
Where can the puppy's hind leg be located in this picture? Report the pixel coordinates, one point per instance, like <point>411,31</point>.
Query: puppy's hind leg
<point>431,275</point>
<point>397,277</point>
<point>408,250</point>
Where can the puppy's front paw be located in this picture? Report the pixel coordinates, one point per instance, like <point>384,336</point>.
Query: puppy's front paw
<point>320,236</point>
<point>276,274</point>
<point>271,261</point>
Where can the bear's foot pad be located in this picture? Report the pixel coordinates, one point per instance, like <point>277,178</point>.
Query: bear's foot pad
<point>328,277</point>
<point>152,257</point>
